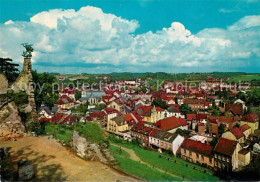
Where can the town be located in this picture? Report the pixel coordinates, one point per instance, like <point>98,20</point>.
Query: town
<point>126,91</point>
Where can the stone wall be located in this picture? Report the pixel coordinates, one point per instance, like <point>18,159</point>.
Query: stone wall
<point>3,83</point>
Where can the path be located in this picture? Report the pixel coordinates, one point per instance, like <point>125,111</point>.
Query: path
<point>53,162</point>
<point>134,157</point>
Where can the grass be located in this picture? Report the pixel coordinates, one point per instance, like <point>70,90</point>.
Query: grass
<point>179,168</point>
<point>91,131</point>
<point>137,169</point>
<point>247,77</point>
<point>59,131</point>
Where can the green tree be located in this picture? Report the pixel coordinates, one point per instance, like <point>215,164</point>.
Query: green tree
<point>101,106</point>
<point>185,109</point>
<point>221,129</point>
<point>214,141</point>
<point>46,92</point>
<point>9,69</point>
<point>215,112</point>
<point>159,103</point>
<point>77,94</point>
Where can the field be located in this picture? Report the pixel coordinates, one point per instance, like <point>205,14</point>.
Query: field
<point>247,78</point>
<point>178,167</point>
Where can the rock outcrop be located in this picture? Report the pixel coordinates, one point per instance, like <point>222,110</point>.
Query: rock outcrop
<point>4,84</point>
<point>24,82</point>
<point>90,151</point>
<point>11,125</point>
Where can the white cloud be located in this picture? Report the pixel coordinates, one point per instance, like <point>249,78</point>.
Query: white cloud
<point>68,39</point>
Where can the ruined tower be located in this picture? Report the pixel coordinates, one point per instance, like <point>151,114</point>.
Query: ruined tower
<point>24,82</point>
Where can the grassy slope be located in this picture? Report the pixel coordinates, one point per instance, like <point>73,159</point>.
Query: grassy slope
<point>177,168</point>
<point>137,169</point>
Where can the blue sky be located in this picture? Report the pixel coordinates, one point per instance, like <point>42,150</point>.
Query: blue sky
<point>133,35</point>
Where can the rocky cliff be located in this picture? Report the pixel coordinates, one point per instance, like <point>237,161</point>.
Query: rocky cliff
<point>11,125</point>
<point>90,151</point>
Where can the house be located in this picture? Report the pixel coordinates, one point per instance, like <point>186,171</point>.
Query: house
<point>171,124</point>
<point>154,138</point>
<point>111,113</point>
<point>149,114</point>
<point>166,141</point>
<point>117,104</point>
<point>235,134</point>
<point>44,112</point>
<point>244,158</point>
<point>65,102</point>
<point>226,154</point>
<point>176,144</point>
<point>99,117</point>
<point>197,104</point>
<point>213,127</point>
<point>174,110</point>
<point>141,132</point>
<point>229,122</point>
<point>234,110</point>
<point>252,121</point>
<point>201,128</point>
<point>132,119</point>
<point>117,124</point>
<point>197,152</point>
<point>69,92</point>
<point>246,130</point>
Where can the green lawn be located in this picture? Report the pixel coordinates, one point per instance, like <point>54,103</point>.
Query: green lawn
<point>91,131</point>
<point>59,131</point>
<point>179,168</point>
<point>137,169</point>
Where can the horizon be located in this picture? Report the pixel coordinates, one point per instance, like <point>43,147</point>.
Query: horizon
<point>71,37</point>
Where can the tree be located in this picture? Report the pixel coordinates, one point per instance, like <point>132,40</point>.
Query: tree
<point>221,129</point>
<point>159,103</point>
<point>9,69</point>
<point>45,92</point>
<point>77,94</point>
<point>185,109</point>
<point>215,112</point>
<point>214,141</point>
<point>101,106</point>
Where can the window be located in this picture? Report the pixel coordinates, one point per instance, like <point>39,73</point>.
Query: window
<point>223,158</point>
<point>202,158</point>
<point>210,160</point>
<point>184,151</point>
<point>197,156</point>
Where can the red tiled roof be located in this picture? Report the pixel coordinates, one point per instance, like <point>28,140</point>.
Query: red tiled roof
<point>191,117</point>
<point>154,131</point>
<point>235,108</point>
<point>145,110</point>
<point>244,127</point>
<point>170,123</point>
<point>197,146</point>
<point>250,117</point>
<point>140,128</point>
<point>237,133</point>
<point>222,119</point>
<point>201,116</point>
<point>225,146</point>
<point>63,99</point>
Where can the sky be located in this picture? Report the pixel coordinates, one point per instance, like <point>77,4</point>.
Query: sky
<point>104,36</point>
